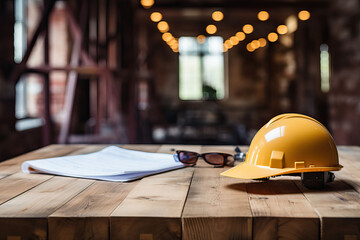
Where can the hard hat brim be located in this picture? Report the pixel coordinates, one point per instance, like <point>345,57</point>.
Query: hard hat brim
<point>248,171</point>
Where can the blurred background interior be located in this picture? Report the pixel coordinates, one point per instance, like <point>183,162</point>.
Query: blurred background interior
<point>174,71</point>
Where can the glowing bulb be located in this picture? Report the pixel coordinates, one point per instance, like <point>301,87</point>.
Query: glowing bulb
<point>225,48</point>
<point>248,29</point>
<point>228,44</point>
<point>255,44</point>
<point>240,36</point>
<point>167,37</point>
<point>147,3</point>
<point>249,47</point>
<point>304,15</point>
<point>155,16</point>
<point>163,26</point>
<point>172,42</point>
<point>282,29</point>
<point>201,39</point>
<point>262,42</point>
<point>263,15</point>
<point>234,40</point>
<point>211,29</point>
<point>217,16</point>
<point>272,37</point>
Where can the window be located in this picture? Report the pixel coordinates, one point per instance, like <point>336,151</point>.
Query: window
<point>324,67</point>
<point>29,86</point>
<point>201,69</point>
<point>19,50</point>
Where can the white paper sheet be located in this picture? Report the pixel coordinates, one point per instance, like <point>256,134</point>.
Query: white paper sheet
<point>110,164</point>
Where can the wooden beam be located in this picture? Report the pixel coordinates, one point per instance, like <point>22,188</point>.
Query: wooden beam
<point>74,62</point>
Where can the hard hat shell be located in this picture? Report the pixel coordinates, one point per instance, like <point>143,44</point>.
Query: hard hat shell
<point>288,143</point>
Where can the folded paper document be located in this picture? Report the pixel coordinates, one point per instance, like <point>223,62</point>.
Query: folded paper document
<point>109,164</point>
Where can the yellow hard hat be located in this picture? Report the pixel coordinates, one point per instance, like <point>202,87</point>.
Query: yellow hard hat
<point>288,143</point>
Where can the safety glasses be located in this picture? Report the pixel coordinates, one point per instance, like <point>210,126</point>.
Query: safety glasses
<point>213,158</point>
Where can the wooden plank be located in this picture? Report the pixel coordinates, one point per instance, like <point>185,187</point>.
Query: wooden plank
<point>29,210</point>
<point>14,165</point>
<point>338,205</point>
<point>349,157</point>
<point>26,215</point>
<point>152,210</point>
<point>280,211</point>
<point>217,207</point>
<point>15,184</point>
<point>18,183</point>
<point>87,215</point>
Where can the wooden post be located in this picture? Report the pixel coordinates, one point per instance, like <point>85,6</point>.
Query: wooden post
<point>47,128</point>
<point>72,77</point>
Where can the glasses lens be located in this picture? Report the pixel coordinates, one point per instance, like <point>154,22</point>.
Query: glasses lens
<point>187,157</point>
<point>214,158</point>
<point>229,160</point>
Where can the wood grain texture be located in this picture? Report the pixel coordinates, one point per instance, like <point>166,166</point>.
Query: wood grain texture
<point>216,207</point>
<point>349,157</point>
<point>18,183</point>
<point>14,165</point>
<point>86,216</point>
<point>338,206</point>
<point>152,210</point>
<point>38,203</point>
<point>281,211</point>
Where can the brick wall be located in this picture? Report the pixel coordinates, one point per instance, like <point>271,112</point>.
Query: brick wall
<point>344,97</point>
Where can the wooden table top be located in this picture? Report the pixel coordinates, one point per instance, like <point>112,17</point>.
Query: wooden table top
<point>189,203</point>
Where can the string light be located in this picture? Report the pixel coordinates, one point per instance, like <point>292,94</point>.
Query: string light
<point>240,36</point>
<point>282,29</point>
<point>263,15</point>
<point>147,3</point>
<point>249,47</point>
<point>234,40</point>
<point>156,16</point>
<point>228,44</point>
<point>167,36</point>
<point>262,42</point>
<point>201,39</point>
<point>217,16</point>
<point>248,28</point>
<point>255,44</point>
<point>163,26</point>
<point>211,29</point>
<point>304,15</point>
<point>272,37</point>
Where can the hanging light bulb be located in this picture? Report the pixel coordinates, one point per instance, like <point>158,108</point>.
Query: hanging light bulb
<point>163,26</point>
<point>156,16</point>
<point>282,29</point>
<point>147,3</point>
<point>201,39</point>
<point>234,40</point>
<point>304,15</point>
<point>249,47</point>
<point>248,28</point>
<point>217,16</point>
<point>167,36</point>
<point>272,37</point>
<point>263,15</point>
<point>240,36</point>
<point>262,42</point>
<point>211,29</point>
